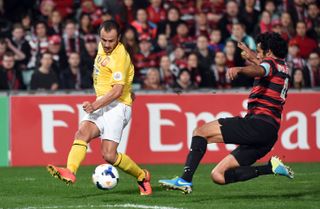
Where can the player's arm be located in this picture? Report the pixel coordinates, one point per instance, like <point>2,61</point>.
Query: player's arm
<point>250,71</point>
<point>109,97</point>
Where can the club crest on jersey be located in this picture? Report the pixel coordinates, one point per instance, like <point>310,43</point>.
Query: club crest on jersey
<point>117,76</point>
<point>105,61</point>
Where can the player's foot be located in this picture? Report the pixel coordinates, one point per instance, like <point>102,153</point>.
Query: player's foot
<point>64,174</point>
<point>279,168</point>
<point>177,184</point>
<point>145,186</point>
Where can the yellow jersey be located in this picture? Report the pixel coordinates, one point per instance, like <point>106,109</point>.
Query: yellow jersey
<point>111,69</point>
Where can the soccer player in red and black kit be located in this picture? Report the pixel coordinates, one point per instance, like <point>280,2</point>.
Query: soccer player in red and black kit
<point>257,132</point>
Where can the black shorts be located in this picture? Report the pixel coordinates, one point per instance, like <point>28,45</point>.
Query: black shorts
<point>254,136</point>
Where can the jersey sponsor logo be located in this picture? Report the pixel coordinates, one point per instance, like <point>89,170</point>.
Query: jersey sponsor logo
<point>117,76</point>
<point>282,68</point>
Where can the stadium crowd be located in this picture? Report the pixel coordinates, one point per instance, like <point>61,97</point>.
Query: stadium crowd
<point>174,44</point>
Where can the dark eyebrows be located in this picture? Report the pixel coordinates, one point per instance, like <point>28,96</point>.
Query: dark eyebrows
<point>105,40</point>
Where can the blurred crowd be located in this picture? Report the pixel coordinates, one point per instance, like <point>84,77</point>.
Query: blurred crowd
<point>174,44</point>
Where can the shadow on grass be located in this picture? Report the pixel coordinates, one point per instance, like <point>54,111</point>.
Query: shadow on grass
<point>289,194</point>
<point>106,192</point>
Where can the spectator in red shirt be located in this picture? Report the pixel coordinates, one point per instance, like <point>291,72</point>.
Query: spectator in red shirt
<point>202,25</point>
<point>220,71</point>
<point>186,8</point>
<point>264,25</point>
<point>143,25</point>
<point>213,9</point>
<point>10,76</point>
<point>144,59</point>
<point>305,44</point>
<point>183,38</point>
<point>178,57</point>
<point>156,13</point>
<point>126,13</point>
<point>277,28</point>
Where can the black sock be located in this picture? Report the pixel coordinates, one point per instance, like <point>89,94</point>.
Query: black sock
<point>264,169</point>
<point>244,173</point>
<point>241,173</point>
<point>197,150</point>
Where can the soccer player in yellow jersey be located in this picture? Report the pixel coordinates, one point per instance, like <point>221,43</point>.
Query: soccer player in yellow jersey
<point>109,114</point>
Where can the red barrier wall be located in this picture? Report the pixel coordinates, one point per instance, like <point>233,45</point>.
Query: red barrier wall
<point>42,127</point>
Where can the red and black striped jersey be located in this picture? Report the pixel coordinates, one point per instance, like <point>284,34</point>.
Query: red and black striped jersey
<point>269,93</point>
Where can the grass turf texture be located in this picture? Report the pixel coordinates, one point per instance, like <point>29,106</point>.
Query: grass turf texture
<point>34,188</point>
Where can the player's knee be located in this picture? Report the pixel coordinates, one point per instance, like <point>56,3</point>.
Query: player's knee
<point>80,134</point>
<point>109,157</point>
<point>217,177</point>
<point>198,132</point>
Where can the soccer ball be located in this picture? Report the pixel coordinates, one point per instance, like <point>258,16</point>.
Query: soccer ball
<point>105,177</point>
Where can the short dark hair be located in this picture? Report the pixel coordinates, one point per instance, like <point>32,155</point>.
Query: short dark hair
<point>109,25</point>
<point>274,42</point>
<point>9,54</point>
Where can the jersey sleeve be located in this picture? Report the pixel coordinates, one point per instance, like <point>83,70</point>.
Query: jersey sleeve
<point>120,69</point>
<point>267,65</point>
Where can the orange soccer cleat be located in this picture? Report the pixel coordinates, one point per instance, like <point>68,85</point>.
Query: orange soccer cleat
<point>64,174</point>
<point>145,186</point>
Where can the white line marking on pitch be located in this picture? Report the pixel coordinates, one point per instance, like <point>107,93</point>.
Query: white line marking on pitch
<point>128,205</point>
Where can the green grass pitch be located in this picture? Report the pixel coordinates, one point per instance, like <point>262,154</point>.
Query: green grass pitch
<point>34,188</point>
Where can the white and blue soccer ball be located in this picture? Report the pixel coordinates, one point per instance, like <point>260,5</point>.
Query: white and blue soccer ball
<point>105,176</point>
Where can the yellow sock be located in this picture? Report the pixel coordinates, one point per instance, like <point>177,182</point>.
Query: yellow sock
<point>125,163</point>
<point>76,155</point>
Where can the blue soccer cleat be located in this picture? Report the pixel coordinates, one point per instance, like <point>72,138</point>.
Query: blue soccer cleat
<point>279,168</point>
<point>177,184</point>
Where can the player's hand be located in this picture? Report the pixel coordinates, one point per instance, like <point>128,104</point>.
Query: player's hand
<point>246,53</point>
<point>233,72</point>
<point>87,107</point>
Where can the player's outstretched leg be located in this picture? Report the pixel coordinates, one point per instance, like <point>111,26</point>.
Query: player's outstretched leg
<point>64,174</point>
<point>144,185</point>
<point>278,168</point>
<point>177,184</point>
<point>126,164</point>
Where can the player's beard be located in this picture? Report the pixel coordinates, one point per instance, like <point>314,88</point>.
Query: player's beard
<point>108,50</point>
